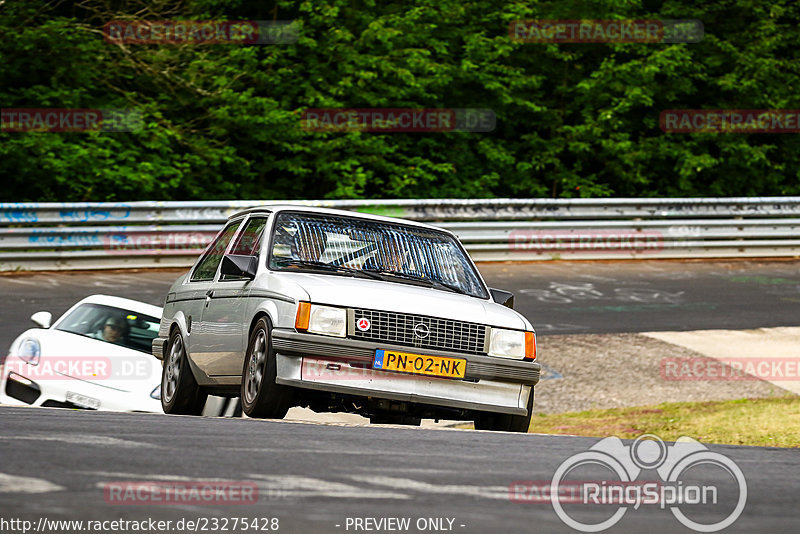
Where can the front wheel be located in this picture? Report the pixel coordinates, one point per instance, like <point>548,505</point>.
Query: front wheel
<point>261,396</point>
<point>180,393</point>
<point>505,422</point>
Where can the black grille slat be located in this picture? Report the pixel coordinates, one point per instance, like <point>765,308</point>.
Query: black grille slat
<point>445,334</point>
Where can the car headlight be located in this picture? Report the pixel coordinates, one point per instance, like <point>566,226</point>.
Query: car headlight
<point>318,319</point>
<point>29,350</point>
<point>514,344</point>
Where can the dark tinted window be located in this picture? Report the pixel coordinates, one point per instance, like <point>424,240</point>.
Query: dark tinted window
<point>212,257</point>
<point>310,241</point>
<point>248,243</point>
<point>112,325</point>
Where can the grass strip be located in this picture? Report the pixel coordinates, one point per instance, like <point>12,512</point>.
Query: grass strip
<point>772,422</point>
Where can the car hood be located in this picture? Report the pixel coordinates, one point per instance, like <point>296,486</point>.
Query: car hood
<point>404,298</point>
<point>92,360</point>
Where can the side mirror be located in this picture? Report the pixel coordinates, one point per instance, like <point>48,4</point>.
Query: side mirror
<point>506,298</point>
<point>236,265</point>
<point>42,318</point>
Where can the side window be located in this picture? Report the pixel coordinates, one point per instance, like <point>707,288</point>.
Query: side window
<point>207,267</point>
<point>248,243</point>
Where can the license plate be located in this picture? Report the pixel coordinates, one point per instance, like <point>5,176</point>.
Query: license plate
<point>419,364</point>
<point>82,400</point>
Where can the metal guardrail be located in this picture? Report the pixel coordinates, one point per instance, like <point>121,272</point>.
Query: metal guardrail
<point>52,236</point>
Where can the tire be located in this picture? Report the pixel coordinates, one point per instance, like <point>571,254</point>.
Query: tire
<point>505,422</point>
<point>180,393</point>
<point>261,396</point>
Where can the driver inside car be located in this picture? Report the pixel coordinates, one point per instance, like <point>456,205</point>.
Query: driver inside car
<point>115,329</point>
<point>390,256</point>
<point>309,244</point>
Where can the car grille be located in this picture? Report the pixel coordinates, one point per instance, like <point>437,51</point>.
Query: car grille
<point>444,334</point>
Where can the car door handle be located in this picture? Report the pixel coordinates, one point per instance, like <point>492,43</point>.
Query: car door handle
<point>209,296</point>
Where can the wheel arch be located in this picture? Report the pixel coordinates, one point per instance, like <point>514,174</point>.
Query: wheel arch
<point>179,321</point>
<point>265,309</point>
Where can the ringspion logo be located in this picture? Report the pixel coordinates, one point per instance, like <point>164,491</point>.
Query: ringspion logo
<point>682,469</point>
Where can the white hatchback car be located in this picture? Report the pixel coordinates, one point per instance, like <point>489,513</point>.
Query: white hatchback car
<point>341,311</point>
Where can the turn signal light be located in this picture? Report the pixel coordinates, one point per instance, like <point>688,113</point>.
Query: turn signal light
<point>303,314</point>
<point>530,346</point>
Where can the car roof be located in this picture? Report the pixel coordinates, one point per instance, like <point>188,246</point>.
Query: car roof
<point>126,304</point>
<point>274,208</point>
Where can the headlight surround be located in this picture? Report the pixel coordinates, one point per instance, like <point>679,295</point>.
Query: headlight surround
<point>513,344</point>
<point>29,350</point>
<point>325,320</point>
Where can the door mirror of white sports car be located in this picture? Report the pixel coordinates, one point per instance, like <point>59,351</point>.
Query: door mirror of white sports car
<point>502,297</point>
<point>42,318</point>
<point>235,265</point>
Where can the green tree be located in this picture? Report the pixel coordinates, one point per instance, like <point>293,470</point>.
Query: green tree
<point>223,121</point>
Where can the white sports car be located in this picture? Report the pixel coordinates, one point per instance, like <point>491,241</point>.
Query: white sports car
<point>96,356</point>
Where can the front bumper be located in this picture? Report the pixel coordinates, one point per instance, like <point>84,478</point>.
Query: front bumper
<point>289,342</point>
<point>345,366</point>
<point>158,345</point>
<point>55,392</point>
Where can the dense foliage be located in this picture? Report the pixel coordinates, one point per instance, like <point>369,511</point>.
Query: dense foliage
<point>223,121</point>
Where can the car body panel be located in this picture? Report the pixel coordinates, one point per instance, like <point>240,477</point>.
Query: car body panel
<point>217,340</point>
<point>404,298</point>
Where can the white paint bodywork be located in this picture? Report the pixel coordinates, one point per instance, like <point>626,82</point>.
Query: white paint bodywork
<point>134,374</point>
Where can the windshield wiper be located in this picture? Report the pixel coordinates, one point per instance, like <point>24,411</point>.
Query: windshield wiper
<point>322,266</point>
<point>415,278</point>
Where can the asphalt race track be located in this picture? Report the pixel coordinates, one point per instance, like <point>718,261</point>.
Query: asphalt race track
<point>558,298</point>
<point>314,477</point>
<point>61,464</point>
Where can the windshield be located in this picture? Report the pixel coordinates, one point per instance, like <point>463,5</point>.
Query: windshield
<point>112,325</point>
<point>356,247</point>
